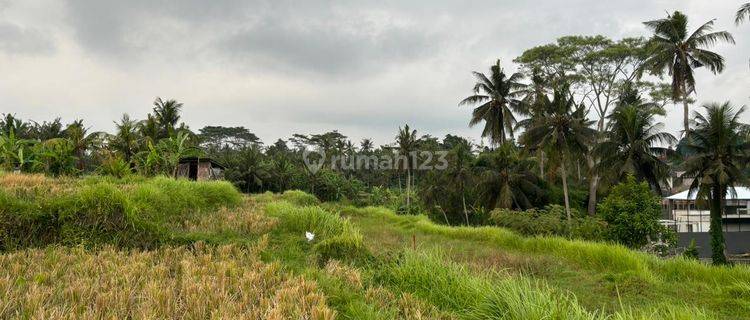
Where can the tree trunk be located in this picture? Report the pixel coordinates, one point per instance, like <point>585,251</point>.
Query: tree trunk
<point>541,164</point>
<point>466,213</point>
<point>593,186</point>
<point>445,216</point>
<point>685,110</point>
<point>565,187</point>
<point>718,247</point>
<point>408,191</point>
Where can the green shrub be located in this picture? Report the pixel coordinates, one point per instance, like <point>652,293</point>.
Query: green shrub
<point>115,166</point>
<point>346,246</point>
<point>632,213</point>
<point>295,219</point>
<point>329,185</point>
<point>300,198</point>
<point>551,221</point>
<point>691,252</point>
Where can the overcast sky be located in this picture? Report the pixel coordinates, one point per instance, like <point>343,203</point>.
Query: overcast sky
<point>281,67</point>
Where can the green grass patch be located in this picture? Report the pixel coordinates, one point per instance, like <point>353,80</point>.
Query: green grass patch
<point>94,210</point>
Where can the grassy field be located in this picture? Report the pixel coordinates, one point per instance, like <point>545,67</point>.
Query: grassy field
<point>158,248</point>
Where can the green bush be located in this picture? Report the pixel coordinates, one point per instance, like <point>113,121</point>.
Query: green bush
<point>632,213</point>
<point>295,219</point>
<point>346,246</point>
<point>691,252</point>
<point>328,185</point>
<point>300,198</point>
<point>551,221</point>
<point>115,166</point>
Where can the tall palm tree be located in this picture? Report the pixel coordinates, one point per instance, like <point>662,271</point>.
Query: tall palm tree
<point>673,50</point>
<point>560,126</point>
<point>167,115</point>
<point>718,153</point>
<point>742,13</point>
<point>9,123</point>
<point>149,129</point>
<point>499,96</point>
<point>635,144</point>
<point>81,140</point>
<point>459,171</point>
<point>407,144</point>
<point>507,178</point>
<point>46,130</point>
<point>366,145</point>
<point>533,104</point>
<point>126,139</point>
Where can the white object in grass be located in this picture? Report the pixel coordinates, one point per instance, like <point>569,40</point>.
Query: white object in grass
<point>309,235</point>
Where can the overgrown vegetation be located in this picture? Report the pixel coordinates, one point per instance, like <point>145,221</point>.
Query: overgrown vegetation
<point>38,211</point>
<point>255,257</point>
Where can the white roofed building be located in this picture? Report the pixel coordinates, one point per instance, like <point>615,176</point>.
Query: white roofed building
<point>684,214</point>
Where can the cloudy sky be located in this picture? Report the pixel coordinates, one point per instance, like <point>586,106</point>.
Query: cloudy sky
<point>280,67</point>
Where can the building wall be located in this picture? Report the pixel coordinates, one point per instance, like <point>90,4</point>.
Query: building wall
<point>204,171</point>
<point>737,242</point>
<point>685,216</point>
<point>183,170</point>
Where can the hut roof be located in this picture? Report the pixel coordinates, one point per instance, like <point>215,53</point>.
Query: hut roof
<point>202,159</point>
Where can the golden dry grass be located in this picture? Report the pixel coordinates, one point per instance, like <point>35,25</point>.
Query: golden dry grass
<point>197,282</point>
<point>246,218</point>
<point>33,184</point>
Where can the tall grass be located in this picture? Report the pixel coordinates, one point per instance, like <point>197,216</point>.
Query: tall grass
<point>334,237</point>
<point>37,211</point>
<point>601,257</point>
<point>451,287</point>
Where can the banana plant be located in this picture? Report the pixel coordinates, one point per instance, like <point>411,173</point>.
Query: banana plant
<point>12,152</point>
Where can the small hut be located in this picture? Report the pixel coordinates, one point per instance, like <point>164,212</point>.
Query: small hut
<point>199,169</point>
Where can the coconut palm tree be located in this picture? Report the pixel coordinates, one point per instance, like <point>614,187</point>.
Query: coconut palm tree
<point>674,50</point>
<point>366,145</point>
<point>507,179</point>
<point>167,115</point>
<point>718,153</point>
<point>498,96</point>
<point>81,140</point>
<point>533,104</point>
<point>126,140</point>
<point>407,144</point>
<point>560,126</point>
<point>459,171</point>
<point>149,129</point>
<point>635,144</point>
<point>46,130</point>
<point>742,13</point>
<point>9,123</point>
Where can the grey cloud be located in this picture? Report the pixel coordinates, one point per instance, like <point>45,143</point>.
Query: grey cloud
<point>326,47</point>
<point>284,36</point>
<point>16,39</point>
<point>272,65</point>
